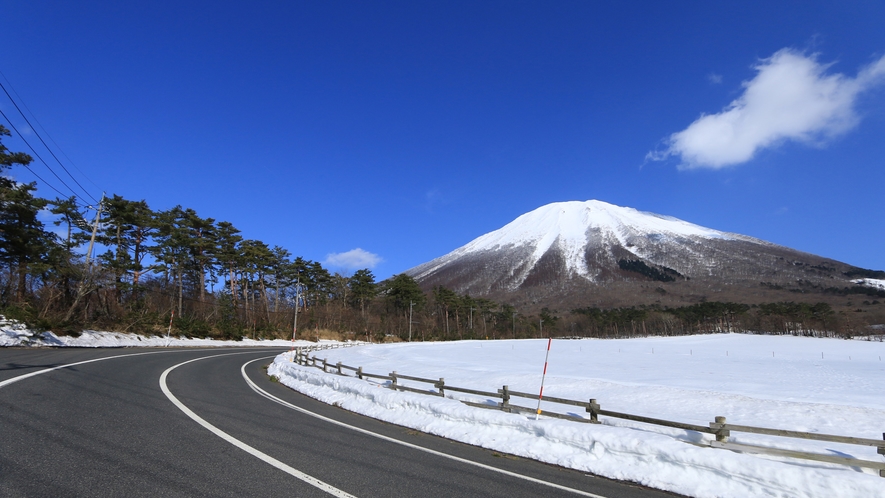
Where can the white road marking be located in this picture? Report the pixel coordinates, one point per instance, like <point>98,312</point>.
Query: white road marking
<point>273,398</point>
<point>41,372</point>
<point>328,488</point>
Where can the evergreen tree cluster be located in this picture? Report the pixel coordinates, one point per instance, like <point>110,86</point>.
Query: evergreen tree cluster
<point>709,317</point>
<point>661,274</point>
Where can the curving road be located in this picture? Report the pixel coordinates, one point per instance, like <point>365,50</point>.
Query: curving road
<point>185,422</point>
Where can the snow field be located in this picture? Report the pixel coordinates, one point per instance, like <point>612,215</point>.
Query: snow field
<point>767,381</point>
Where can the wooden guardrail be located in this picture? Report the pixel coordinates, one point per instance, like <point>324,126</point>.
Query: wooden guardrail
<point>719,428</point>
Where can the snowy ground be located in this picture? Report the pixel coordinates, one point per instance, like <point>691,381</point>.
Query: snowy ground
<point>16,334</point>
<point>806,384</point>
<point>870,282</point>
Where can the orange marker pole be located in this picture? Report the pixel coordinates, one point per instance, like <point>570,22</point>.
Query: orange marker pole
<point>543,376</point>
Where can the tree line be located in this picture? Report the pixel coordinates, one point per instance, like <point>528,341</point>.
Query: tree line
<point>174,269</point>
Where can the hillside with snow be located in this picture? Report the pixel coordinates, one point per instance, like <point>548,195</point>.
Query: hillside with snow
<point>569,248</point>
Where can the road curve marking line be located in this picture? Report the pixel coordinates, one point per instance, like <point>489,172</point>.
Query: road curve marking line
<point>41,372</point>
<point>47,370</point>
<point>273,398</point>
<point>328,488</point>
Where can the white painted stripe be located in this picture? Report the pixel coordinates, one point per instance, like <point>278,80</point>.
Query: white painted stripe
<point>41,372</point>
<point>273,398</point>
<point>328,488</point>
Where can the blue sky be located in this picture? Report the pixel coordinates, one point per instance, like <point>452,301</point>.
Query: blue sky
<point>406,129</point>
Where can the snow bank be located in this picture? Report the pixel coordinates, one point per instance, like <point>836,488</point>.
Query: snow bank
<point>13,333</point>
<point>806,384</point>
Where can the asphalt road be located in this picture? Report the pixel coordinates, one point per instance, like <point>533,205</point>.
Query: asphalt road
<point>107,428</point>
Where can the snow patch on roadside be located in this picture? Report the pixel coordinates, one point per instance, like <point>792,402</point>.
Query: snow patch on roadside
<point>13,333</point>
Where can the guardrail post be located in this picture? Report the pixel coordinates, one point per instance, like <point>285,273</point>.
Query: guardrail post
<point>393,380</point>
<point>505,397</point>
<point>325,363</point>
<point>359,373</point>
<point>339,368</point>
<point>593,409</point>
<point>881,450</point>
<point>441,386</point>
<point>721,433</point>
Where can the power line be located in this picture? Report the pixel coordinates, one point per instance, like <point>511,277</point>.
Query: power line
<point>44,143</point>
<point>25,104</point>
<point>42,161</point>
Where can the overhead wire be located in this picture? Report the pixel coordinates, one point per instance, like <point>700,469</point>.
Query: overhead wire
<point>25,104</point>
<point>14,103</point>
<point>79,201</point>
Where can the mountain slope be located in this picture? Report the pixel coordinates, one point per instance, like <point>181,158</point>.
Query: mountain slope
<point>570,251</point>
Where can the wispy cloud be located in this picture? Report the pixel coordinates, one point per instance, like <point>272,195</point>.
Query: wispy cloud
<point>791,98</point>
<point>714,78</point>
<point>354,259</point>
<point>432,198</point>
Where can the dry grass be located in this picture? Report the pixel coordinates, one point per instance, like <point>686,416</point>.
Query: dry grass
<point>322,335</point>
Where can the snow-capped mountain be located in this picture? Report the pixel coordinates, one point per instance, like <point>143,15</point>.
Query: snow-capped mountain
<point>567,247</point>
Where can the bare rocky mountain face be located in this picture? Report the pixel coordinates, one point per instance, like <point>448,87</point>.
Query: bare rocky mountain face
<point>594,254</point>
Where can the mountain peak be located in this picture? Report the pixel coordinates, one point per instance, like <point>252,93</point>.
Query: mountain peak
<point>562,247</point>
<point>571,228</point>
<point>573,222</point>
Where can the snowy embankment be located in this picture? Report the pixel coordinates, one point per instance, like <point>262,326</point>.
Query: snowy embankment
<point>16,334</point>
<point>805,384</point>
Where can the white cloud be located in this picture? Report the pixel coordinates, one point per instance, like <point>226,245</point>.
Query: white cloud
<point>354,259</point>
<point>791,98</point>
<point>714,78</point>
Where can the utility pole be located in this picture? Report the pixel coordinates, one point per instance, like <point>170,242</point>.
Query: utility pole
<point>513,332</point>
<point>411,303</point>
<point>471,317</point>
<point>94,231</point>
<point>85,286</point>
<point>541,327</point>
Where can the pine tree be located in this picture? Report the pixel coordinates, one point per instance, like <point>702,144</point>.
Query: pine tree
<point>227,240</point>
<point>362,288</point>
<point>24,241</point>
<point>131,224</point>
<point>202,242</point>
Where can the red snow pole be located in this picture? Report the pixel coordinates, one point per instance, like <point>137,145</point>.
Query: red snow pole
<point>543,376</point>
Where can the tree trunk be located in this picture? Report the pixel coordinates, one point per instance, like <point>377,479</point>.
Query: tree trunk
<point>180,291</point>
<point>22,280</point>
<point>264,296</point>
